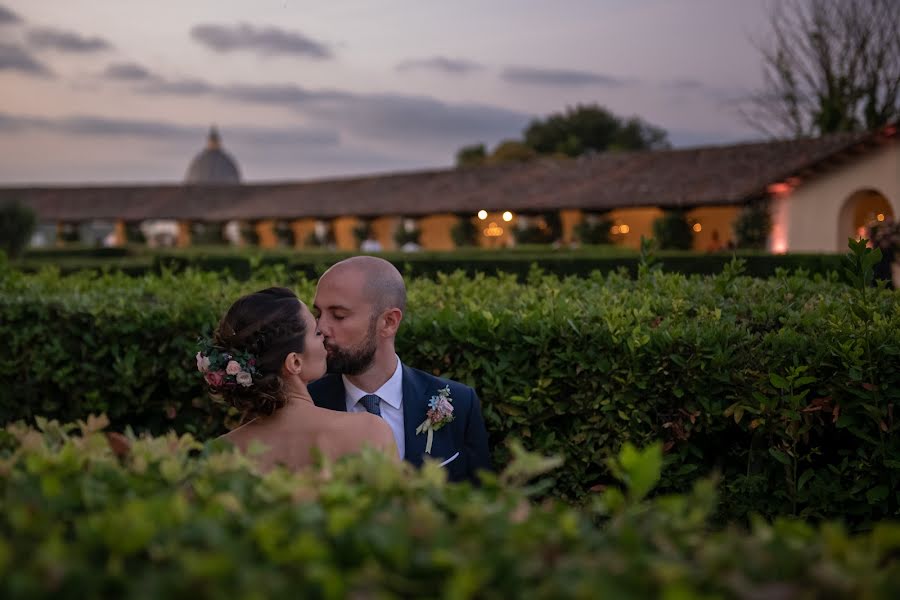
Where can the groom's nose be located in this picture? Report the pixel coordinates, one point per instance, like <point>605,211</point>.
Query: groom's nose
<point>324,326</point>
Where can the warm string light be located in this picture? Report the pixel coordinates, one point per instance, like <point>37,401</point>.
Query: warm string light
<point>620,229</point>
<point>880,217</point>
<point>493,230</point>
<point>507,216</point>
<point>697,227</point>
<point>482,214</point>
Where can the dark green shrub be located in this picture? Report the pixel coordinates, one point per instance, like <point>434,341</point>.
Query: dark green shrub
<point>573,367</point>
<point>543,228</point>
<point>407,232</point>
<point>249,235</point>
<point>207,233</point>
<point>17,223</point>
<point>594,229</point>
<point>753,225</point>
<point>464,232</point>
<point>133,233</point>
<point>362,231</point>
<point>673,231</point>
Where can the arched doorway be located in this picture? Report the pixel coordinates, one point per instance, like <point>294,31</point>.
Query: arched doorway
<point>862,209</point>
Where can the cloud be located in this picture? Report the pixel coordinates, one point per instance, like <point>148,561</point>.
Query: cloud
<point>682,87</point>
<point>85,125</point>
<point>451,66</point>
<point>684,84</point>
<point>8,17</point>
<point>15,58</point>
<point>559,77</point>
<point>127,72</point>
<point>419,120</point>
<point>262,40</point>
<point>178,87</point>
<point>381,117</point>
<point>65,41</point>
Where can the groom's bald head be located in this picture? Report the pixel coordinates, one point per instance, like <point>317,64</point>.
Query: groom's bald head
<point>380,281</point>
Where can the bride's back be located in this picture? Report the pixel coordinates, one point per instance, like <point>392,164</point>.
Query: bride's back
<point>294,435</point>
<point>264,352</point>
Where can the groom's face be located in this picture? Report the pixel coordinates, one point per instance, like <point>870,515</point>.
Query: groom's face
<point>347,321</point>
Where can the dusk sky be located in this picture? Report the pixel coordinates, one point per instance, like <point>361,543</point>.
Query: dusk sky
<point>125,91</point>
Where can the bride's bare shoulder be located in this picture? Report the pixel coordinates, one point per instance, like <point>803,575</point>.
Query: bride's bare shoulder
<point>362,428</point>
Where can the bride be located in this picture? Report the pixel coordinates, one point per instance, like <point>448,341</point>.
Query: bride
<point>263,354</point>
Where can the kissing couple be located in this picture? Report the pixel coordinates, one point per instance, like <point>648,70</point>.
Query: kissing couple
<point>269,357</point>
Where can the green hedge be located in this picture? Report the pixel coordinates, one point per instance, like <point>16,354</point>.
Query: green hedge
<point>519,262</point>
<point>113,516</point>
<point>786,386</point>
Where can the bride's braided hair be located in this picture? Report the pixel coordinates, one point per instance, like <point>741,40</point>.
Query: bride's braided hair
<point>267,325</point>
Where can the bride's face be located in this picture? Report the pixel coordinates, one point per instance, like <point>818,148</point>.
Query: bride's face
<point>314,353</point>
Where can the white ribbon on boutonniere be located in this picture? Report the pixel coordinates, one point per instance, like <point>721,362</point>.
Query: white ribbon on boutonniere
<point>440,412</point>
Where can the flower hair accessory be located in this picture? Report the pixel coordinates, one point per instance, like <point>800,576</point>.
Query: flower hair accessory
<point>223,369</point>
<point>440,412</point>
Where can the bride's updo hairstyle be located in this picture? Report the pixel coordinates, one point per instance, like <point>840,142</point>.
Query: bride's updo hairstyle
<point>249,347</point>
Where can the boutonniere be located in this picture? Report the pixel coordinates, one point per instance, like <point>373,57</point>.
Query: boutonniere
<point>440,412</point>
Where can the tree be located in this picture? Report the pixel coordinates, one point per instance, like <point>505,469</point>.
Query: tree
<point>511,151</point>
<point>585,128</point>
<point>752,226</point>
<point>471,156</point>
<point>673,232</point>
<point>594,229</point>
<point>464,232</point>
<point>829,66</point>
<point>588,128</point>
<point>17,223</point>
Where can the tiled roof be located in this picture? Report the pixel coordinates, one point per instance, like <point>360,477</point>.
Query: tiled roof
<point>691,177</point>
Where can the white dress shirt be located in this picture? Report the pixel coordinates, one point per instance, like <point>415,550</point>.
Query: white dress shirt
<point>391,394</point>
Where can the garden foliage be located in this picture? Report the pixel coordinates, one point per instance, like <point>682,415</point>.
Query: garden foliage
<point>89,514</point>
<point>786,387</point>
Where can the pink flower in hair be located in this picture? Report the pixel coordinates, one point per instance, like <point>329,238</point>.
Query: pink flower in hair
<point>232,368</point>
<point>214,378</point>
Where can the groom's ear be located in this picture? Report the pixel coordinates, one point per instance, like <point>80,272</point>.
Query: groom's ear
<point>293,364</point>
<point>390,319</point>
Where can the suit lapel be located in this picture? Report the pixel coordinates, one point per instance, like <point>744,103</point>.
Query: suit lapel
<point>332,395</point>
<point>414,408</point>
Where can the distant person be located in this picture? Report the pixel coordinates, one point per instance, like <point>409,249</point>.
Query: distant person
<point>264,352</point>
<point>360,303</point>
<point>715,244</point>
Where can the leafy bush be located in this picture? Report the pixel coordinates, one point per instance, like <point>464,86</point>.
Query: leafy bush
<point>17,223</point>
<point>753,225</point>
<point>518,261</point>
<point>672,231</point>
<point>594,229</point>
<point>464,232</point>
<point>407,232</point>
<point>112,515</point>
<point>542,228</point>
<point>362,231</point>
<point>786,386</point>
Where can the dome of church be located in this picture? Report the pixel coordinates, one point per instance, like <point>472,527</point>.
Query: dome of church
<point>213,166</point>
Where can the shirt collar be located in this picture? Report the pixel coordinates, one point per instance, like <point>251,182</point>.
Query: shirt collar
<point>391,391</point>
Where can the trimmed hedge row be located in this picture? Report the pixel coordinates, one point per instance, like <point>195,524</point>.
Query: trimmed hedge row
<point>113,516</point>
<point>786,386</point>
<point>429,264</point>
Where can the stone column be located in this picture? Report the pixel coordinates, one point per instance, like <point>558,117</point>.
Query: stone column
<point>265,232</point>
<point>184,234</point>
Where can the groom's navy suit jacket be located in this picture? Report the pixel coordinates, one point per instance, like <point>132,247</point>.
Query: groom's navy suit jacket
<point>464,435</point>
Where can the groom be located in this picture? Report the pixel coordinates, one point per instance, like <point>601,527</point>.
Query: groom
<point>359,305</point>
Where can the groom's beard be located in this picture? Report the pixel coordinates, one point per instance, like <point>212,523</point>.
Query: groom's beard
<point>353,361</point>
